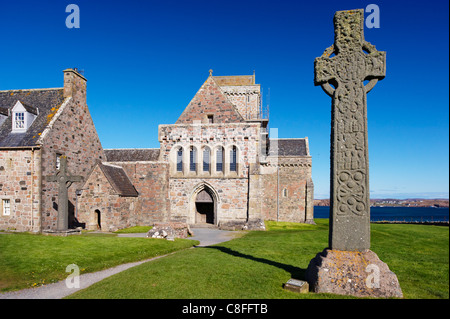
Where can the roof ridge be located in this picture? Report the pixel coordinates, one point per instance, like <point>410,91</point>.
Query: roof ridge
<point>22,90</point>
<point>288,138</point>
<point>137,148</point>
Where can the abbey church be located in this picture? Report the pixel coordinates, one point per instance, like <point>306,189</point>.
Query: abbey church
<point>216,165</point>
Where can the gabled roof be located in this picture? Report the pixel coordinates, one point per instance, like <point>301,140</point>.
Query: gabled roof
<point>288,147</point>
<point>132,155</point>
<point>210,100</point>
<point>47,101</point>
<point>27,107</point>
<point>118,179</point>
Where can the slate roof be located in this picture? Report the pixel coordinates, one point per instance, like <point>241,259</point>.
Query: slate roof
<point>289,147</point>
<point>132,155</point>
<point>119,180</point>
<point>45,102</point>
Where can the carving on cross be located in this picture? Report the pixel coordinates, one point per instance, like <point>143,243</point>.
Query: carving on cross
<point>64,180</point>
<point>342,77</point>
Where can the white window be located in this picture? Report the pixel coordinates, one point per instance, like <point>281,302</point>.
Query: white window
<point>23,116</point>
<point>6,204</point>
<point>19,120</point>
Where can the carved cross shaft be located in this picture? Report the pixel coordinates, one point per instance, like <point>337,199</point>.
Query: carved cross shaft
<point>354,61</point>
<point>64,180</point>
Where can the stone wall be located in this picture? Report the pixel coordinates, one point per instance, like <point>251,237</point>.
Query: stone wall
<point>99,197</point>
<point>244,136</point>
<point>71,132</point>
<point>246,98</point>
<point>151,180</point>
<point>209,100</point>
<point>279,190</point>
<point>19,186</point>
<point>230,196</point>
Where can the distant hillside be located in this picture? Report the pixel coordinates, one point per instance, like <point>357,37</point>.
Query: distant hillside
<point>410,202</point>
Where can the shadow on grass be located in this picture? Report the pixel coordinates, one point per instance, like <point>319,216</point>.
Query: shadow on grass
<point>296,272</point>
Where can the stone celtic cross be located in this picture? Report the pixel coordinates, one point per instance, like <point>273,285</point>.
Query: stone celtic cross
<point>64,180</point>
<point>342,77</point>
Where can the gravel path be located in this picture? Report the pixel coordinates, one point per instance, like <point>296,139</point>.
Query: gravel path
<point>58,290</point>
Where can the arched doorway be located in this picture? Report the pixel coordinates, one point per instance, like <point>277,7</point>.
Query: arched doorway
<point>204,208</point>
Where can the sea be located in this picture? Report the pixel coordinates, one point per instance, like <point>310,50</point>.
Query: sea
<point>397,214</point>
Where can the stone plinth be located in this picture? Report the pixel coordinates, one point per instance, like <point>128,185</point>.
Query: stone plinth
<point>356,273</point>
<point>170,230</point>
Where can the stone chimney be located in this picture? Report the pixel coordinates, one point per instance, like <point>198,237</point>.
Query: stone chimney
<point>74,85</point>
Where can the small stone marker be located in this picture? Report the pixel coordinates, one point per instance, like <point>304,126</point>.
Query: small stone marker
<point>349,267</point>
<point>298,286</point>
<point>64,180</point>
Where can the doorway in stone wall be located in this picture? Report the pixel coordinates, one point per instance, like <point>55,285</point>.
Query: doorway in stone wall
<point>205,207</point>
<point>98,221</point>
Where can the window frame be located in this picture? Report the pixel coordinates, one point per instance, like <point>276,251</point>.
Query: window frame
<point>206,166</point>
<point>21,120</point>
<point>192,159</point>
<point>4,201</point>
<point>179,160</point>
<point>233,159</point>
<point>220,151</point>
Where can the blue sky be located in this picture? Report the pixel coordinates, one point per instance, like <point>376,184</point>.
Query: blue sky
<point>145,60</point>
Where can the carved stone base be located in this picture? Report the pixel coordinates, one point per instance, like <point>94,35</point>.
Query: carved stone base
<point>62,233</point>
<point>355,273</point>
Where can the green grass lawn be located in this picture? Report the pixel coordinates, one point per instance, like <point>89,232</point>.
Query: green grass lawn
<point>31,260</point>
<point>257,265</point>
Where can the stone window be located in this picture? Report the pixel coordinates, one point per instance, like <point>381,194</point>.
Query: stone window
<point>180,160</point>
<point>219,159</point>
<point>233,159</point>
<point>285,192</point>
<point>6,207</point>
<point>210,118</point>
<point>192,159</point>
<point>206,159</point>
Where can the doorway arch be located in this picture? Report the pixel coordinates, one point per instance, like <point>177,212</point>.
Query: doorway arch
<point>97,219</point>
<point>204,205</point>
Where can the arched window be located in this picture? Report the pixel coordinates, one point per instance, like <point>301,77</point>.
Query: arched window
<point>219,159</point>
<point>193,159</point>
<point>180,160</point>
<point>206,159</point>
<point>233,159</point>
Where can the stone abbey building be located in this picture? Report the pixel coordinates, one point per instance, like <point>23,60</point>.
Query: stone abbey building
<point>216,165</point>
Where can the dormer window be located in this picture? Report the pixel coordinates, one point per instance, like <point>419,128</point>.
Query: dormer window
<point>23,116</point>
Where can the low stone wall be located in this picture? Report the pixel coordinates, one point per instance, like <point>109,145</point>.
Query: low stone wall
<point>251,224</point>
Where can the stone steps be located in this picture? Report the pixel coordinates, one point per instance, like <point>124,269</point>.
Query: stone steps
<point>203,225</point>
